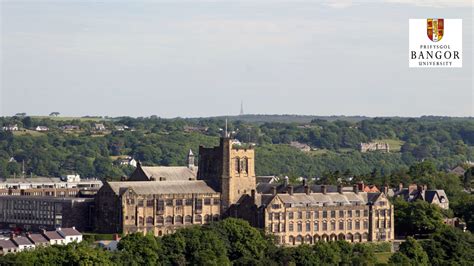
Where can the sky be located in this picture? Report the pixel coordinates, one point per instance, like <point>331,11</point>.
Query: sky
<point>195,58</point>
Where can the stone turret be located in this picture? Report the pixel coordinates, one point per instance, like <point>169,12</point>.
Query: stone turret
<point>190,159</point>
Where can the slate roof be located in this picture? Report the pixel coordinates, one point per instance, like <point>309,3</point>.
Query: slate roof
<point>7,244</point>
<point>161,187</point>
<point>266,188</point>
<point>346,198</point>
<point>70,232</point>
<point>37,238</point>
<point>52,235</point>
<point>170,173</point>
<point>22,241</point>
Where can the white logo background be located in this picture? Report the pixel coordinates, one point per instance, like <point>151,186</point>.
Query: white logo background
<point>418,37</point>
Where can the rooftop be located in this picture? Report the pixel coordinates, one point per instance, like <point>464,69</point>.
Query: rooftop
<point>158,187</point>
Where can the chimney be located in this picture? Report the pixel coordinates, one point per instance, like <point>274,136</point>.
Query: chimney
<point>339,188</point>
<point>290,190</point>
<point>355,188</point>
<point>274,190</point>
<point>361,186</point>
<point>323,189</point>
<point>286,181</point>
<point>307,190</point>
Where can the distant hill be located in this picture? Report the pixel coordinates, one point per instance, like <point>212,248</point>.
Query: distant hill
<point>286,118</point>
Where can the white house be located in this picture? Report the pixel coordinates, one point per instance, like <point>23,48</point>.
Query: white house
<point>7,246</point>
<point>99,127</point>
<point>22,243</point>
<point>42,128</point>
<point>11,127</point>
<point>71,178</point>
<point>54,238</point>
<point>70,235</point>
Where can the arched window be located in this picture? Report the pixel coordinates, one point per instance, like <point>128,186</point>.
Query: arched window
<point>316,238</point>
<point>198,219</point>
<point>140,220</point>
<point>244,165</point>
<point>308,239</point>
<point>333,225</point>
<point>159,219</point>
<point>149,220</point>
<point>207,218</point>
<point>188,219</point>
<point>178,219</point>
<point>299,239</point>
<point>291,240</point>
<point>169,219</point>
<point>341,237</point>
<point>237,165</point>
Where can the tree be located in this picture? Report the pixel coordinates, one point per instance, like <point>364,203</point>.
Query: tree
<point>138,249</point>
<point>399,259</point>
<point>415,218</point>
<point>54,114</point>
<point>414,251</point>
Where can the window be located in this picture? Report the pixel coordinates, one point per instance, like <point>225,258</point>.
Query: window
<point>160,206</point>
<point>207,201</point>
<point>366,213</point>
<point>325,226</point>
<point>341,214</point>
<point>217,201</point>
<point>308,226</point>
<point>290,227</point>
<point>349,225</point>
<point>169,202</point>
<point>276,216</point>
<point>159,220</point>
<point>366,224</point>
<point>189,202</point>
<point>140,220</point>
<point>341,225</point>
<point>149,203</point>
<point>178,219</point>
<point>382,213</point>
<point>316,226</point>
<point>198,204</point>
<point>140,203</point>
<point>325,214</point>
<point>188,219</point>
<point>308,215</point>
<point>357,213</point>
<point>169,219</point>
<point>237,165</point>
<point>357,226</point>
<point>333,214</point>
<point>316,214</point>
<point>179,202</point>
<point>290,215</point>
<point>300,215</point>
<point>244,165</point>
<point>207,218</point>
<point>333,225</point>
<point>300,227</point>
<point>149,220</point>
<point>198,219</point>
<point>349,213</point>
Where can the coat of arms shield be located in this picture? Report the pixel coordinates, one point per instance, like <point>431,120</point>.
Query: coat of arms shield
<point>435,29</point>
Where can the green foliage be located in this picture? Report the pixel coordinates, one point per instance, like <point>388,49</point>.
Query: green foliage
<point>416,218</point>
<point>414,251</point>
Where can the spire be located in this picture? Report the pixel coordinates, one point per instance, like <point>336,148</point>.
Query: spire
<point>190,159</point>
<point>241,107</point>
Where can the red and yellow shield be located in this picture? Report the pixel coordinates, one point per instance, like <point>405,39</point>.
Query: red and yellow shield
<point>435,29</point>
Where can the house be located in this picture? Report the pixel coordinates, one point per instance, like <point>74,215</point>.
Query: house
<point>70,235</point>
<point>7,246</point>
<point>374,146</point>
<point>458,170</point>
<point>42,128</point>
<point>300,146</point>
<point>10,127</point>
<point>71,178</point>
<point>110,245</point>
<point>267,179</point>
<point>121,128</point>
<point>38,239</point>
<point>54,237</point>
<point>127,161</point>
<point>99,127</point>
<point>69,128</point>
<point>22,242</point>
<point>418,192</point>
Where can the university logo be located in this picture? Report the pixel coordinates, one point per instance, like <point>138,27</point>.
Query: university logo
<point>442,48</point>
<point>435,29</point>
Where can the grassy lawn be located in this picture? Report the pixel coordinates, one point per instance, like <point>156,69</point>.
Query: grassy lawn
<point>23,132</point>
<point>395,144</point>
<point>382,257</point>
<point>69,118</point>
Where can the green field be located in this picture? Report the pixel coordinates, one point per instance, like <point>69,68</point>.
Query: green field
<point>69,118</point>
<point>23,132</point>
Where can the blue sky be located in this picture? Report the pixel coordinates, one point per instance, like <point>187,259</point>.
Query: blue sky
<point>201,58</point>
